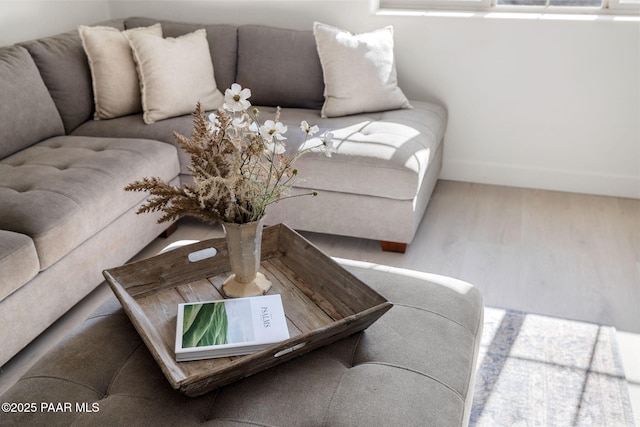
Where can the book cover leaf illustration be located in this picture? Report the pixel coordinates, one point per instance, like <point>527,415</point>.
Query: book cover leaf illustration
<point>204,324</point>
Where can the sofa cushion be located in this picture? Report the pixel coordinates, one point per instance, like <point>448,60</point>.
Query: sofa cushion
<point>222,39</point>
<point>27,110</point>
<point>359,71</point>
<point>280,66</point>
<point>383,154</point>
<point>63,190</point>
<point>116,88</point>
<point>175,74</point>
<point>133,126</point>
<point>18,261</point>
<point>65,70</point>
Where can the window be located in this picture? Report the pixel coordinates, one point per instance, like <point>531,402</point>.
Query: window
<point>565,3</point>
<point>435,4</point>
<point>541,6</point>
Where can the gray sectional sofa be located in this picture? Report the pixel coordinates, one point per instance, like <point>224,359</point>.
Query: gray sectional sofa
<point>64,216</point>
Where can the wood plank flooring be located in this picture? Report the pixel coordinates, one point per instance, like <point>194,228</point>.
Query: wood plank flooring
<point>567,255</point>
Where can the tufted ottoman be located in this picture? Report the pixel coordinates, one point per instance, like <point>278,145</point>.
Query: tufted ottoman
<point>414,367</point>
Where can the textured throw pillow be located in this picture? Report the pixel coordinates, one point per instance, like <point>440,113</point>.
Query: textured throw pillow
<point>222,38</point>
<point>116,89</point>
<point>175,74</point>
<point>359,71</point>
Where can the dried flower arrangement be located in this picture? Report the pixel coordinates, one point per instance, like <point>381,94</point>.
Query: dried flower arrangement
<point>239,165</point>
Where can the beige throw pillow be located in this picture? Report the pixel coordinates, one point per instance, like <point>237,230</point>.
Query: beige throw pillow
<point>175,74</point>
<point>359,71</point>
<point>116,89</point>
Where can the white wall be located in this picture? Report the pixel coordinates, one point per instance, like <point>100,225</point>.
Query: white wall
<point>534,103</point>
<point>29,19</point>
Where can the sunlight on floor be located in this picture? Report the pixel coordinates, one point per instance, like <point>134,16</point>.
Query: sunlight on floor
<point>548,371</point>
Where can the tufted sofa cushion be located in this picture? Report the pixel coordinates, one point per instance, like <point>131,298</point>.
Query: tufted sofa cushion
<point>18,261</point>
<point>62,191</point>
<point>414,367</point>
<point>133,126</point>
<point>27,110</point>
<point>378,154</point>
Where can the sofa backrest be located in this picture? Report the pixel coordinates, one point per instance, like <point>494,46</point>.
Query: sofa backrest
<point>222,39</point>
<point>280,66</point>
<point>65,70</point>
<point>28,112</point>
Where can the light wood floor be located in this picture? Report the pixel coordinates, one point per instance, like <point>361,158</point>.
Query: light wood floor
<point>560,254</point>
<point>566,255</point>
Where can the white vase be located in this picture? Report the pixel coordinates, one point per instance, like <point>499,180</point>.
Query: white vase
<point>244,242</point>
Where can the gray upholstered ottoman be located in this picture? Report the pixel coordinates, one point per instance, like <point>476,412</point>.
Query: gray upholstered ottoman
<point>413,367</point>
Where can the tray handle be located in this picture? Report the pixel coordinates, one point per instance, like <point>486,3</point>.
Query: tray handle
<point>288,350</point>
<point>202,254</point>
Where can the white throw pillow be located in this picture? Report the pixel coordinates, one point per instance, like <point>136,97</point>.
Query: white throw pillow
<point>359,71</point>
<point>175,74</point>
<point>116,89</point>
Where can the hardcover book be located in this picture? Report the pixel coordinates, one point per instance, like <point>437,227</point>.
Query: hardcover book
<point>230,327</point>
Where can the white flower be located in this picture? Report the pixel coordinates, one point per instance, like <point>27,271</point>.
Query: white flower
<point>309,130</point>
<point>235,98</point>
<point>215,123</point>
<point>239,122</point>
<point>270,130</point>
<point>328,144</point>
<point>273,148</point>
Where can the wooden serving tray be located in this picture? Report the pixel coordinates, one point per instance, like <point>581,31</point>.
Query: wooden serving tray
<point>322,301</point>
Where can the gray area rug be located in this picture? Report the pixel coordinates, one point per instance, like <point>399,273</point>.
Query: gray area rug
<point>541,371</point>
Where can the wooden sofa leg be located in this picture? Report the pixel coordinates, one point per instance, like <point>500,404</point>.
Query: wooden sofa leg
<point>169,231</point>
<point>393,246</point>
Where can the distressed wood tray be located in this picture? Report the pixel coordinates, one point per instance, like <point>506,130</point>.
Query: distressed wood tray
<point>322,301</point>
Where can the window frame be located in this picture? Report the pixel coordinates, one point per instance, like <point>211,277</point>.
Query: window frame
<point>608,7</point>
<point>624,5</point>
<point>435,4</point>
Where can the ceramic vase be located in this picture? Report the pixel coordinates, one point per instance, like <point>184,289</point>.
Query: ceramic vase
<point>244,242</point>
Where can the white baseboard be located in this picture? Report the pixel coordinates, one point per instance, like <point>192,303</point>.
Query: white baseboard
<point>542,178</point>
